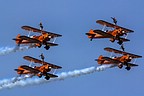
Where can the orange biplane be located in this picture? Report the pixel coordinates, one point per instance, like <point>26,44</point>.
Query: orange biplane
<point>24,69</point>
<point>114,34</point>
<point>37,70</point>
<point>97,34</point>
<point>39,40</point>
<point>119,61</point>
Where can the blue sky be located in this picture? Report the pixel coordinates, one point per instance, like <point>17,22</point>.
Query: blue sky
<point>72,19</point>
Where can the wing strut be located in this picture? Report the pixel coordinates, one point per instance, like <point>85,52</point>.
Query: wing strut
<point>103,29</point>
<point>54,71</point>
<point>135,61</point>
<point>54,40</point>
<point>29,33</point>
<point>31,63</point>
<point>111,54</point>
<point>126,35</point>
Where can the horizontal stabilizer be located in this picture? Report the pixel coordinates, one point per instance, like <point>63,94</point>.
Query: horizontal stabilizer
<point>51,44</point>
<point>51,75</point>
<point>132,65</point>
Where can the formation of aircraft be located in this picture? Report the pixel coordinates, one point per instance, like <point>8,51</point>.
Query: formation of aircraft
<point>120,61</point>
<point>115,33</point>
<point>37,70</point>
<point>44,38</point>
<point>111,31</point>
<point>41,38</point>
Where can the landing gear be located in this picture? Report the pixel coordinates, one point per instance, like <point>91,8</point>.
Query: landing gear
<point>91,39</point>
<point>112,39</point>
<point>128,68</point>
<point>39,45</point>
<point>47,77</point>
<point>47,47</point>
<point>117,37</point>
<point>93,35</point>
<point>39,75</point>
<point>120,66</point>
<point>120,42</point>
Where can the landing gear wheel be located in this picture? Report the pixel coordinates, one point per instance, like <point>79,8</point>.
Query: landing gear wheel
<point>39,75</point>
<point>47,77</point>
<point>112,39</point>
<point>120,66</point>
<point>47,47</point>
<point>120,42</point>
<point>128,68</point>
<point>39,46</point>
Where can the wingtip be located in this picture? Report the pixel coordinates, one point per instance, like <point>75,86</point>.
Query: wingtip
<point>59,67</point>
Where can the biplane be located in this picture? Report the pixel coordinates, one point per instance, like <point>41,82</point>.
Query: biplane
<point>39,71</point>
<point>37,40</point>
<point>32,41</point>
<point>97,34</point>
<point>24,70</point>
<point>120,61</point>
<point>112,34</point>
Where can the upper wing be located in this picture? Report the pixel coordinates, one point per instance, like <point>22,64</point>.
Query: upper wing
<point>29,28</point>
<point>121,52</point>
<point>104,23</point>
<point>31,59</point>
<point>106,35</point>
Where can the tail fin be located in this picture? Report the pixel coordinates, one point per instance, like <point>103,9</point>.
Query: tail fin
<point>100,60</point>
<point>90,34</point>
<point>19,71</point>
<point>17,39</point>
<point>16,69</point>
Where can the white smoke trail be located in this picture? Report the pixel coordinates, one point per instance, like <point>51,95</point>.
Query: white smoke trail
<point>8,50</point>
<point>10,83</point>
